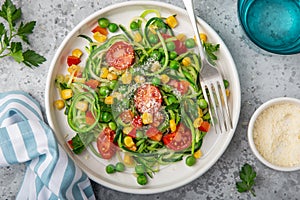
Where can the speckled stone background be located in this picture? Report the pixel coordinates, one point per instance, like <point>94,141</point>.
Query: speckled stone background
<point>263,76</point>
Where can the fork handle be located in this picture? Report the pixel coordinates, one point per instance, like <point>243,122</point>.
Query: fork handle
<point>190,11</point>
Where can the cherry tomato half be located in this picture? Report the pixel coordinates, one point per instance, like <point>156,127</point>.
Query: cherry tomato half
<point>137,122</point>
<point>105,144</point>
<point>147,99</point>
<point>126,116</point>
<point>178,140</point>
<point>154,134</point>
<point>120,55</point>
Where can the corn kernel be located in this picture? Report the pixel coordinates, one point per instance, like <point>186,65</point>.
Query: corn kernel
<point>127,129</point>
<point>104,72</point>
<point>198,154</point>
<point>73,69</point>
<point>66,94</point>
<point>137,37</point>
<point>109,100</point>
<point>128,141</point>
<point>203,37</point>
<point>126,78</point>
<point>171,21</point>
<point>172,125</point>
<point>181,37</point>
<point>139,79</point>
<point>112,76</point>
<point>200,112</point>
<point>77,53</point>
<point>59,104</point>
<point>99,37</point>
<point>128,160</point>
<point>197,122</point>
<point>227,92</point>
<point>82,105</point>
<point>164,78</point>
<point>147,118</point>
<point>186,61</point>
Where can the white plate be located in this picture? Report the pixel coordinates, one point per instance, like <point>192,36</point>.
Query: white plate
<point>174,175</point>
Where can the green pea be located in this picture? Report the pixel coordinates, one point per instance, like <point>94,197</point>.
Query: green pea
<point>153,38</point>
<point>156,55</point>
<point>190,160</point>
<point>106,116</point>
<point>112,126</point>
<point>103,22</point>
<point>139,134</point>
<point>226,83</point>
<point>172,99</point>
<point>142,179</point>
<point>139,169</point>
<point>171,46</point>
<point>190,43</point>
<point>112,84</point>
<point>104,91</point>
<point>161,50</point>
<point>120,167</point>
<point>202,103</point>
<point>110,169</point>
<point>159,24</point>
<point>206,117</point>
<point>155,81</point>
<point>112,27</point>
<point>174,64</point>
<point>134,26</point>
<point>173,55</point>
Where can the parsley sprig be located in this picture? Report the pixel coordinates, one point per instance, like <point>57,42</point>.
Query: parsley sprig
<point>9,45</point>
<point>247,175</point>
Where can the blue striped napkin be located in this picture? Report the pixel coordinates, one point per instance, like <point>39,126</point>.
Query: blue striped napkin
<point>25,138</point>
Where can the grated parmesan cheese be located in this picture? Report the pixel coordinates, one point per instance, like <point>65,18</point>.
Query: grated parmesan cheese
<point>277,134</point>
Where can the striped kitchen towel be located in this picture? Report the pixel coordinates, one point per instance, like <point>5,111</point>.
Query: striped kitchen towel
<point>25,138</point>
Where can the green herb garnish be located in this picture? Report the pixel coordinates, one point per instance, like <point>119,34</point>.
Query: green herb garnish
<point>211,49</point>
<point>247,175</point>
<point>9,46</point>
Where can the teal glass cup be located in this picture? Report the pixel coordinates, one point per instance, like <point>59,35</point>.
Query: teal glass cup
<point>273,25</point>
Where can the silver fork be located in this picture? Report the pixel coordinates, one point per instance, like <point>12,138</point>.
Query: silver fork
<point>211,82</point>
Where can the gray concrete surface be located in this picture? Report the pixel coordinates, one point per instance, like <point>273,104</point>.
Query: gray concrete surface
<point>262,75</point>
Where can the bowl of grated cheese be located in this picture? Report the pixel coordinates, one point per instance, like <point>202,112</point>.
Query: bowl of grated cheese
<point>274,133</point>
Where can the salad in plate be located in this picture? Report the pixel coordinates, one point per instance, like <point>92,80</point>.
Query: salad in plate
<point>136,98</point>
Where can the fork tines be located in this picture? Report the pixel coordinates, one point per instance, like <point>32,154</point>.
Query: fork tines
<point>215,94</point>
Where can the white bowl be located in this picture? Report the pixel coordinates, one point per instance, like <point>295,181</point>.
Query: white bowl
<point>253,119</point>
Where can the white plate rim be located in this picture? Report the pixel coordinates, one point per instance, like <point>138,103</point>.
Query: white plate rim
<point>146,190</point>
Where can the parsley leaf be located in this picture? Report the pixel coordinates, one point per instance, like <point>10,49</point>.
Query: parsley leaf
<point>80,141</point>
<point>16,51</point>
<point>10,13</point>
<point>211,49</point>
<point>2,29</point>
<point>32,59</point>
<point>8,46</point>
<point>247,175</point>
<point>25,29</point>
